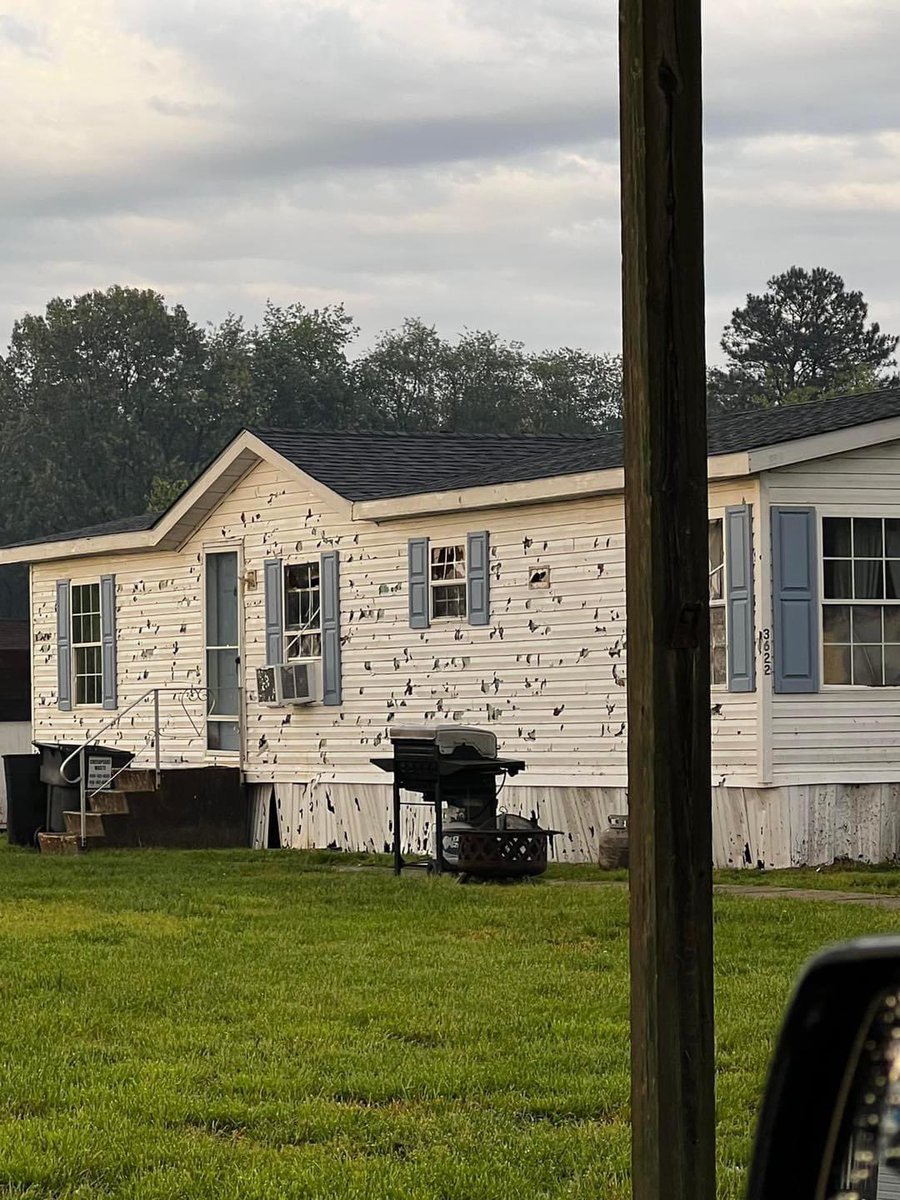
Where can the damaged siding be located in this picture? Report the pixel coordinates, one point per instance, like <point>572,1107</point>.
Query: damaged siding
<point>547,673</point>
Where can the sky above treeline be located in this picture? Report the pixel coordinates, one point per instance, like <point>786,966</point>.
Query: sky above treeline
<point>455,160</point>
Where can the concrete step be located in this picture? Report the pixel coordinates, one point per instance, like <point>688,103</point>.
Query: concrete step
<point>93,823</point>
<point>58,843</point>
<point>136,780</point>
<point>109,802</point>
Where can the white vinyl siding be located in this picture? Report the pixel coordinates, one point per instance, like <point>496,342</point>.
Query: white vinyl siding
<point>547,674</point>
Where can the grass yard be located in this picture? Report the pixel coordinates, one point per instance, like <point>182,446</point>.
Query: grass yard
<point>234,1025</point>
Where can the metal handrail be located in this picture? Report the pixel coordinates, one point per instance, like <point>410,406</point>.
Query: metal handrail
<point>79,751</point>
<point>103,729</point>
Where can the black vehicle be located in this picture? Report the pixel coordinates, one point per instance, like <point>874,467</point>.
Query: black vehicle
<point>830,1122</point>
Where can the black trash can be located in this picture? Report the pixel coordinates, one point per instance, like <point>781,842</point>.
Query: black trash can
<point>63,791</point>
<point>25,798</point>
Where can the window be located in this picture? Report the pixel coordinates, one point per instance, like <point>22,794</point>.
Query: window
<point>448,581</point>
<point>861,601</point>
<point>302,611</point>
<point>718,664</point>
<point>87,648</point>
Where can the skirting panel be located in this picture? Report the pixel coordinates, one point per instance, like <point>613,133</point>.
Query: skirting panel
<point>810,824</point>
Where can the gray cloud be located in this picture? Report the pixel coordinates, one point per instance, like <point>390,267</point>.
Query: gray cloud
<point>21,34</point>
<point>451,159</point>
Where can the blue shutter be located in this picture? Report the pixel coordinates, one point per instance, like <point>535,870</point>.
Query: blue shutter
<point>479,589</point>
<point>108,639</point>
<point>331,627</point>
<point>796,614</point>
<point>739,598</point>
<point>418,583</point>
<point>274,622</point>
<point>63,645</point>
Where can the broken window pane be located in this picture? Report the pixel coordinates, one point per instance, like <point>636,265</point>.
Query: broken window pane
<point>716,561</point>
<point>717,639</point>
<point>302,611</point>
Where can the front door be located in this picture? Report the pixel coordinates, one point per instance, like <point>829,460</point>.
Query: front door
<point>223,652</point>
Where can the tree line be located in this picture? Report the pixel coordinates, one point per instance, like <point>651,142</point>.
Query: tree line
<point>110,400</point>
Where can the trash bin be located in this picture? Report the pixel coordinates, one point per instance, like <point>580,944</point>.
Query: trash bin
<point>25,799</point>
<point>63,791</point>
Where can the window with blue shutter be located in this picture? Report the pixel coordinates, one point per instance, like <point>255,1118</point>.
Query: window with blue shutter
<point>479,581</point>
<point>741,637</point>
<point>795,606</point>
<point>419,607</point>
<point>63,645</point>
<point>331,628</point>
<point>108,639</point>
<point>274,619</point>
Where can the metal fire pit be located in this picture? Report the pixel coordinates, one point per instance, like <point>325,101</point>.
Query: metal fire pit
<point>457,767</point>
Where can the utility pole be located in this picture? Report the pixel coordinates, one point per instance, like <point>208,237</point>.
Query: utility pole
<point>666,515</point>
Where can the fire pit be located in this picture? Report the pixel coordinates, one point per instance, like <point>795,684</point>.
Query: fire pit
<point>456,768</point>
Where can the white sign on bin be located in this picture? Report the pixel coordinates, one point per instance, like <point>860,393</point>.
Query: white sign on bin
<point>99,772</point>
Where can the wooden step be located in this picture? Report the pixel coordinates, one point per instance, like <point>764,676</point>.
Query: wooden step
<point>113,801</point>
<point>136,780</point>
<point>93,823</point>
<point>58,843</point>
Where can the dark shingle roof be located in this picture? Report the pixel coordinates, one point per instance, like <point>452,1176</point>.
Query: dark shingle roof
<point>375,466</point>
<point>122,525</point>
<point>760,427</point>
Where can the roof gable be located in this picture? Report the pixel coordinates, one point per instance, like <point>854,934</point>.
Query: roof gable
<point>365,467</point>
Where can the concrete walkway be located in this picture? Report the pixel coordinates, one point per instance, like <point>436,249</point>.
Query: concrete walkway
<point>873,899</point>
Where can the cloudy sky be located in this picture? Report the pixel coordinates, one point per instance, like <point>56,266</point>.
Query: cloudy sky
<point>450,159</point>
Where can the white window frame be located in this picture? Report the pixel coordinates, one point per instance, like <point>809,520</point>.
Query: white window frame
<point>438,585</point>
<point>721,603</point>
<point>92,645</point>
<point>289,635</point>
<point>847,513</point>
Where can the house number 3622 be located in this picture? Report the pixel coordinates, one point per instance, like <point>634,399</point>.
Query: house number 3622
<point>766,646</point>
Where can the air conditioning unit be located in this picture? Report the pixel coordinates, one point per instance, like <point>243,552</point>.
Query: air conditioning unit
<point>298,682</point>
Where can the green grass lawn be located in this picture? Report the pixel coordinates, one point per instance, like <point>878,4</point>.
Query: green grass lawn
<point>225,1025</point>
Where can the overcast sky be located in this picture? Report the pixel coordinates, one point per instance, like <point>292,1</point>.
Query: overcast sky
<point>449,159</point>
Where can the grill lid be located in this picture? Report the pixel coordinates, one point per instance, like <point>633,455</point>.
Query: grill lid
<point>448,738</point>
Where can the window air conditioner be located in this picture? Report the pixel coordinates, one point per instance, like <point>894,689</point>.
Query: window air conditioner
<point>298,682</point>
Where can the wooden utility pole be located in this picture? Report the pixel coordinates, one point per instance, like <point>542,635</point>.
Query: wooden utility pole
<point>666,515</point>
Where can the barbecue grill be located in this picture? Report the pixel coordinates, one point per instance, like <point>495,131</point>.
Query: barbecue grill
<point>455,769</point>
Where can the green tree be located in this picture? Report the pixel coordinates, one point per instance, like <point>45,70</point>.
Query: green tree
<point>400,382</point>
<point>97,396</point>
<point>804,338</point>
<point>572,391</point>
<point>164,492</point>
<point>299,374</point>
